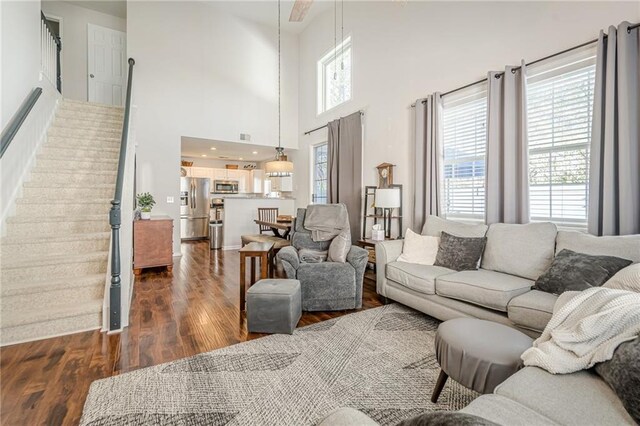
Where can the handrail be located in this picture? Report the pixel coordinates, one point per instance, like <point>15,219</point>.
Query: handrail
<point>58,43</point>
<point>16,121</point>
<point>115,218</point>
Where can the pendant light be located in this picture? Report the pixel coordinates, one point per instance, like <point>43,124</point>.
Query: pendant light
<point>280,166</point>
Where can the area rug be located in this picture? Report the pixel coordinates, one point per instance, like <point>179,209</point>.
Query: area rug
<point>380,361</point>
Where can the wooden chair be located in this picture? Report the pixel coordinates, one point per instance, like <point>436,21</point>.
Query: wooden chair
<point>268,214</point>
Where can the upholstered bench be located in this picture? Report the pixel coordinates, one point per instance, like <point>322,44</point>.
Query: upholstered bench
<point>478,354</point>
<point>274,306</point>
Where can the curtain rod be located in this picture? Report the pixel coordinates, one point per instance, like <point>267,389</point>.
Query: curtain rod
<point>322,127</point>
<point>629,28</point>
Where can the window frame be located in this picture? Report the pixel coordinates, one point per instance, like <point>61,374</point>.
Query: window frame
<point>466,96</point>
<point>312,175</point>
<point>544,74</point>
<point>321,67</point>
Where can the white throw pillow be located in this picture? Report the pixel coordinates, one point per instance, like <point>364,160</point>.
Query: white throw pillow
<point>421,249</point>
<point>626,279</point>
<point>340,247</point>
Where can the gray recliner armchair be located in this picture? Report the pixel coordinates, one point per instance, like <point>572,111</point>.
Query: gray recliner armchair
<point>326,286</point>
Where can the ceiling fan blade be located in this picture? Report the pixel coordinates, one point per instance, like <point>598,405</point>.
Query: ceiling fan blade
<point>299,10</point>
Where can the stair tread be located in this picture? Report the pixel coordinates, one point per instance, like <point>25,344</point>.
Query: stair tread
<point>52,259</point>
<point>113,139</point>
<point>47,219</point>
<point>39,200</point>
<point>78,102</point>
<point>72,172</point>
<point>61,157</point>
<point>30,316</point>
<point>5,241</point>
<point>30,287</point>
<point>97,148</point>
<point>75,185</point>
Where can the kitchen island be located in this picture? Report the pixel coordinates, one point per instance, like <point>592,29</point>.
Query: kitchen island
<point>240,213</point>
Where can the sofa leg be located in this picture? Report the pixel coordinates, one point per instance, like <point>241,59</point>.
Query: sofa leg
<point>442,379</point>
<point>385,300</point>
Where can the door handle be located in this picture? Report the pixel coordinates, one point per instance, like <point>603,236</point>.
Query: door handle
<point>91,75</point>
<point>193,195</point>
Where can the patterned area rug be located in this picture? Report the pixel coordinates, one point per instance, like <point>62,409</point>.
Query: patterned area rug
<point>380,361</point>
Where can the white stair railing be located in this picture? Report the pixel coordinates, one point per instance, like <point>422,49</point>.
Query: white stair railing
<point>50,48</point>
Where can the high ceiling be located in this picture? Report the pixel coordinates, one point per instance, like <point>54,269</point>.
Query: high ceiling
<point>110,7</point>
<point>236,151</point>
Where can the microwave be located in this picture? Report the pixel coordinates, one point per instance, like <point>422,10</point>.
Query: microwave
<point>225,187</point>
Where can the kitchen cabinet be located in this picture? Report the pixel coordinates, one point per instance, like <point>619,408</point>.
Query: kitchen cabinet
<point>257,180</point>
<point>244,178</point>
<point>282,184</point>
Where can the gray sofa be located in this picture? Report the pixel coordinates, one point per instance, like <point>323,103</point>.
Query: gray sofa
<point>326,286</point>
<point>500,291</point>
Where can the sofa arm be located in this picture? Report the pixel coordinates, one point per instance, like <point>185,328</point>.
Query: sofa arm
<point>290,260</point>
<point>358,257</point>
<point>386,252</point>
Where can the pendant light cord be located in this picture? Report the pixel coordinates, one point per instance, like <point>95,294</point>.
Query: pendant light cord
<point>279,53</point>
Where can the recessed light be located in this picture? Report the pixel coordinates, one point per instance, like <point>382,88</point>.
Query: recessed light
<point>240,158</point>
<point>254,152</point>
<point>204,155</point>
<point>213,148</point>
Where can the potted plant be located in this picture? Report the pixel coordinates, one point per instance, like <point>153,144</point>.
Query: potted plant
<point>146,203</point>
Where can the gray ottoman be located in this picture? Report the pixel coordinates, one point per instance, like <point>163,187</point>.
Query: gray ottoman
<point>477,354</point>
<point>274,306</point>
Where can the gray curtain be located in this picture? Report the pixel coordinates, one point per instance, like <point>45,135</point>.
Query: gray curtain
<point>507,166</point>
<point>428,159</point>
<point>344,167</point>
<point>614,174</point>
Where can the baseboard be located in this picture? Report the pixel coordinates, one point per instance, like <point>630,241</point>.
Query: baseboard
<point>52,336</point>
<point>236,247</point>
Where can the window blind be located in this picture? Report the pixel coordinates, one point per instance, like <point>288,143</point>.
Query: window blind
<point>559,113</point>
<point>464,148</point>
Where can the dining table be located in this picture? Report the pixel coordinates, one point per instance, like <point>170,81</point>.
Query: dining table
<point>280,228</point>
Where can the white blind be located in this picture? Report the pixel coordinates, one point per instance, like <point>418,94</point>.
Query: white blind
<point>559,108</point>
<point>464,146</point>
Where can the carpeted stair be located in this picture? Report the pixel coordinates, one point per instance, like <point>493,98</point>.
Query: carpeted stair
<point>54,254</point>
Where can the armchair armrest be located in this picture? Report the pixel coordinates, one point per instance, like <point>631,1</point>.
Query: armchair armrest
<point>386,252</point>
<point>290,260</point>
<point>357,257</point>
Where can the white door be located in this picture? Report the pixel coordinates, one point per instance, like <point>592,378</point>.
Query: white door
<point>106,65</point>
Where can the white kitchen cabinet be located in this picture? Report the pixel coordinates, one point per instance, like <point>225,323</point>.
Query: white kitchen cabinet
<point>257,179</point>
<point>200,172</point>
<point>220,174</point>
<point>282,184</point>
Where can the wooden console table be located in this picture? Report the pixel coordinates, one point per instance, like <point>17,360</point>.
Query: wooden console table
<point>152,243</point>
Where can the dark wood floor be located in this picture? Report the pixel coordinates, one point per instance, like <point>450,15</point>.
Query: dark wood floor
<point>173,316</point>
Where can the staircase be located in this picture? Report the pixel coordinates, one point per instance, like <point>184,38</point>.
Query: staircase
<point>54,256</point>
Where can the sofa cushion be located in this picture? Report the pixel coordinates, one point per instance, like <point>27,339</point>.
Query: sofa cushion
<point>420,278</point>
<point>419,248</point>
<point>626,247</point>
<point>626,279</point>
<point>505,411</point>
<point>532,309</point>
<point>447,418</point>
<point>523,250</point>
<point>490,289</point>
<point>435,225</point>
<point>580,398</point>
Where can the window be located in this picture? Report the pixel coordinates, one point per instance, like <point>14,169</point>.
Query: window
<point>559,112</point>
<point>464,145</point>
<point>319,178</point>
<point>334,77</point>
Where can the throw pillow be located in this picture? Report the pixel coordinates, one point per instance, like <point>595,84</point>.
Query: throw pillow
<point>420,249</point>
<point>626,279</point>
<point>578,271</point>
<point>339,248</point>
<point>459,253</point>
<point>447,418</point>
<point>622,373</point>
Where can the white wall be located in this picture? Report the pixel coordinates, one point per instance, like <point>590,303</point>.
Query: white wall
<point>203,73</point>
<point>405,50</point>
<point>74,42</point>
<point>19,55</point>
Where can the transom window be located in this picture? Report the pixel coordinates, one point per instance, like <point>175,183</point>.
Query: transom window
<point>334,77</point>
<point>319,178</point>
<point>464,145</point>
<point>559,114</point>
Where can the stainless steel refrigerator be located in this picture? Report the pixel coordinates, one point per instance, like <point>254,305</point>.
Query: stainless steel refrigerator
<point>194,208</point>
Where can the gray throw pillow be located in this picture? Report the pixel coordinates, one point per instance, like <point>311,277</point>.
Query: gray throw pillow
<point>447,418</point>
<point>571,271</point>
<point>339,248</point>
<point>622,373</point>
<point>459,253</point>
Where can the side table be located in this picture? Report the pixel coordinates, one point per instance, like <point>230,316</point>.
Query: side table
<point>370,245</point>
<point>253,251</point>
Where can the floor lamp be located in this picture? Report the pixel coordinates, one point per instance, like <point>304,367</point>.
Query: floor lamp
<point>387,199</point>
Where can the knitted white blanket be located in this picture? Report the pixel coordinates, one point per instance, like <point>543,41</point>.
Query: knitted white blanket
<point>586,328</point>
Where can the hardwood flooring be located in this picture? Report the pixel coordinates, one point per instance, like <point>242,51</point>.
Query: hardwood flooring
<point>193,310</point>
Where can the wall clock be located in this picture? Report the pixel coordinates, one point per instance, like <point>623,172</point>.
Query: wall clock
<point>385,175</point>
